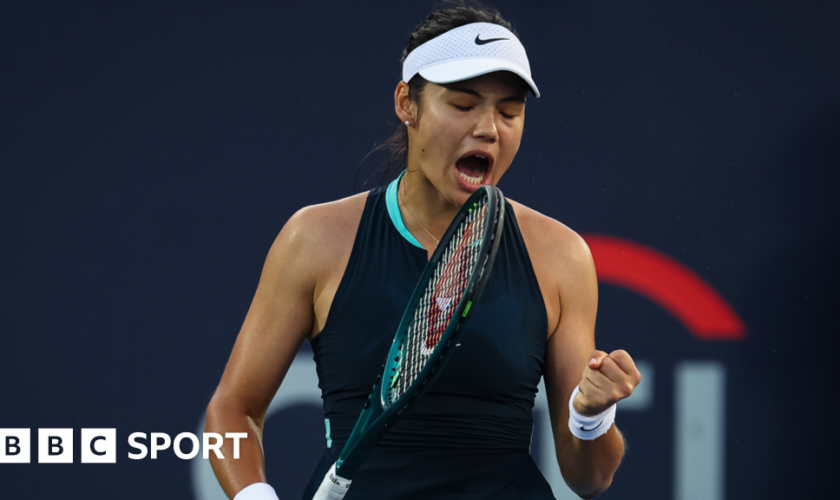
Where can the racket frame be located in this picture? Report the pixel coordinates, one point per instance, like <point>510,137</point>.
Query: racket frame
<point>377,415</point>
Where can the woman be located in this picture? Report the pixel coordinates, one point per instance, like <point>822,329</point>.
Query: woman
<point>341,273</point>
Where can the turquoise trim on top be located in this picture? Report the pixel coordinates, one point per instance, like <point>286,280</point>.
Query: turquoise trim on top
<point>393,205</point>
<point>329,439</point>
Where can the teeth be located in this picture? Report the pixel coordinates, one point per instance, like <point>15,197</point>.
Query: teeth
<point>471,180</point>
<point>480,156</point>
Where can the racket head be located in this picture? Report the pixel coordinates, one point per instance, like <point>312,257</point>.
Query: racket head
<point>379,412</point>
<point>443,299</point>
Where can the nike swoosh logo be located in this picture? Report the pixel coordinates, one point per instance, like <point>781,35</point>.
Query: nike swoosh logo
<point>479,41</point>
<point>592,429</point>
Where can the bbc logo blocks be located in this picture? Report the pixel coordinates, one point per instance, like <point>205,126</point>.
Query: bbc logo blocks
<point>55,446</point>
<point>99,446</point>
<point>14,446</point>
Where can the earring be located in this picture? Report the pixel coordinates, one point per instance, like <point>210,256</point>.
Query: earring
<point>407,123</point>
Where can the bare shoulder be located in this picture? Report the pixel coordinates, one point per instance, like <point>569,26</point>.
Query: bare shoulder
<point>550,240</point>
<point>317,224</point>
<point>317,234</point>
<point>562,263</point>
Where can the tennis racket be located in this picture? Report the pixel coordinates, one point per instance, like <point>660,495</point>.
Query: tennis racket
<point>443,301</point>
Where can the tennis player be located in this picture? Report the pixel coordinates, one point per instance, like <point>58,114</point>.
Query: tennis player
<point>340,275</point>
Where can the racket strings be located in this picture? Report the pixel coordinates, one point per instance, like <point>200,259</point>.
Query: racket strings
<point>440,300</point>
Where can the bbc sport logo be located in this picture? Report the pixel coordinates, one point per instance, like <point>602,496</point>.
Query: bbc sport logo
<point>99,446</point>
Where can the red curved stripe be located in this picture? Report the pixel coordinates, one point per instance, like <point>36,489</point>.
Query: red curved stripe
<point>669,283</point>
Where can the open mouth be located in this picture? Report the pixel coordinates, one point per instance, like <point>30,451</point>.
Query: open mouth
<point>474,167</point>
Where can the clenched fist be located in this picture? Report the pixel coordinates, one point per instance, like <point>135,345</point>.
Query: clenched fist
<point>608,379</point>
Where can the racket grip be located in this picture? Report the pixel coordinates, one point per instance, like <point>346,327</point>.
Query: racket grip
<point>333,487</point>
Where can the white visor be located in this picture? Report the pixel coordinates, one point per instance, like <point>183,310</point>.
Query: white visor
<point>469,51</point>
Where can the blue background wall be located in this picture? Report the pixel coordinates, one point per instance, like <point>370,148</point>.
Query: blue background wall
<point>151,153</point>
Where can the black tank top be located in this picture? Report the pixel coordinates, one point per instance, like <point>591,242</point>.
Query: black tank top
<point>468,436</point>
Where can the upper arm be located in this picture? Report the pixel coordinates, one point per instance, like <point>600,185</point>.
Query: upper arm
<point>573,339</point>
<point>278,321</point>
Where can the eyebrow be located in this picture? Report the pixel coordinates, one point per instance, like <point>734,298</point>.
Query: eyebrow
<point>476,94</point>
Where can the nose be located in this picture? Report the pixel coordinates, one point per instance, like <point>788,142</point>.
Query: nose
<point>485,127</point>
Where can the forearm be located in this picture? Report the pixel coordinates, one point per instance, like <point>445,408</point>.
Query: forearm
<point>588,466</point>
<point>234,474</point>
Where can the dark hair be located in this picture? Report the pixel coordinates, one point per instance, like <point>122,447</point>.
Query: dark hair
<point>459,14</point>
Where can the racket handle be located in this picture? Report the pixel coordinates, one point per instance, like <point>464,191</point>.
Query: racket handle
<point>333,487</point>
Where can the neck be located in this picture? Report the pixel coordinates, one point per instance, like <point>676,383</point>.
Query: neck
<point>425,211</point>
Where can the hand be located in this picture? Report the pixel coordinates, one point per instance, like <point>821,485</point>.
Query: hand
<point>609,378</point>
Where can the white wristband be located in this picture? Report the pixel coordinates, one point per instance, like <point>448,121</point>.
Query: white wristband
<point>256,491</point>
<point>589,428</point>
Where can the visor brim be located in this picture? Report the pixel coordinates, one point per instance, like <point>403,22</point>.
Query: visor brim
<point>464,69</point>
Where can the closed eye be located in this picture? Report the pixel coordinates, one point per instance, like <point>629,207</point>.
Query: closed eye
<point>462,108</point>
